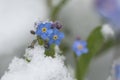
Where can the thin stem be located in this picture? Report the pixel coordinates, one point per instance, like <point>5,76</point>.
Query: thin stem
<point>49,3</point>
<point>56,10</point>
<point>33,43</point>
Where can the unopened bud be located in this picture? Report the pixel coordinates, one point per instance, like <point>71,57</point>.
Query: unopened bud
<point>32,32</point>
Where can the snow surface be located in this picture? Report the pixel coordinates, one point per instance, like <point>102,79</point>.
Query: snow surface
<point>40,67</point>
<point>107,31</point>
<point>17,18</point>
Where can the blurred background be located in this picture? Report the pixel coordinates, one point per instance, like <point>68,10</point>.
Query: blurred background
<point>17,18</point>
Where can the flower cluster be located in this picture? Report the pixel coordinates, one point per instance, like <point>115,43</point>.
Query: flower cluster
<point>79,47</point>
<point>50,31</point>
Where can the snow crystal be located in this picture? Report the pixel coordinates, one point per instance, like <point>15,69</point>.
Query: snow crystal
<point>40,67</point>
<point>107,31</point>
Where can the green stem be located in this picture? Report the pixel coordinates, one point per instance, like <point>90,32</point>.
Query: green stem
<point>55,10</point>
<point>48,52</point>
<point>82,67</point>
<point>49,3</point>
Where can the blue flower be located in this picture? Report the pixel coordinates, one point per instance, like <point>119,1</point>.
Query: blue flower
<point>117,72</point>
<point>79,47</point>
<point>110,9</point>
<point>44,30</point>
<point>56,37</point>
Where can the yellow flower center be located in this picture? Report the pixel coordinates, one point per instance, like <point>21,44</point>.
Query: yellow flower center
<point>80,47</point>
<point>55,37</point>
<point>44,29</point>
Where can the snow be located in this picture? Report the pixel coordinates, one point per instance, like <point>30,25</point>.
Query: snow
<point>17,18</point>
<point>107,31</point>
<point>41,67</point>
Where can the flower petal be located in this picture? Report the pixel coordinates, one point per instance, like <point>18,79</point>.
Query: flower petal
<point>50,31</point>
<point>56,31</point>
<point>44,36</point>
<point>85,50</point>
<point>57,42</point>
<point>78,53</point>
<point>51,41</point>
<point>48,25</point>
<point>83,43</point>
<point>37,32</point>
<point>61,35</point>
<point>40,25</point>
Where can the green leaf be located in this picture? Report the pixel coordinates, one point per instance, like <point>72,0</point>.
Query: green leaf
<point>50,51</point>
<point>40,40</point>
<point>27,60</point>
<point>95,42</point>
<point>106,46</point>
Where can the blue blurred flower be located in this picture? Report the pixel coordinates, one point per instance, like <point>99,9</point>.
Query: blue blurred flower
<point>56,37</point>
<point>110,9</point>
<point>117,72</point>
<point>79,47</point>
<point>44,30</point>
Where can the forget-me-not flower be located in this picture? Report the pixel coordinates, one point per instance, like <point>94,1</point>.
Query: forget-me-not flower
<point>117,72</point>
<point>44,30</point>
<point>79,47</point>
<point>56,37</point>
<point>110,10</point>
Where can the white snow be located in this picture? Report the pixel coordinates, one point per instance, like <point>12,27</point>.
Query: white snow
<point>17,18</point>
<point>107,31</point>
<point>40,67</point>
